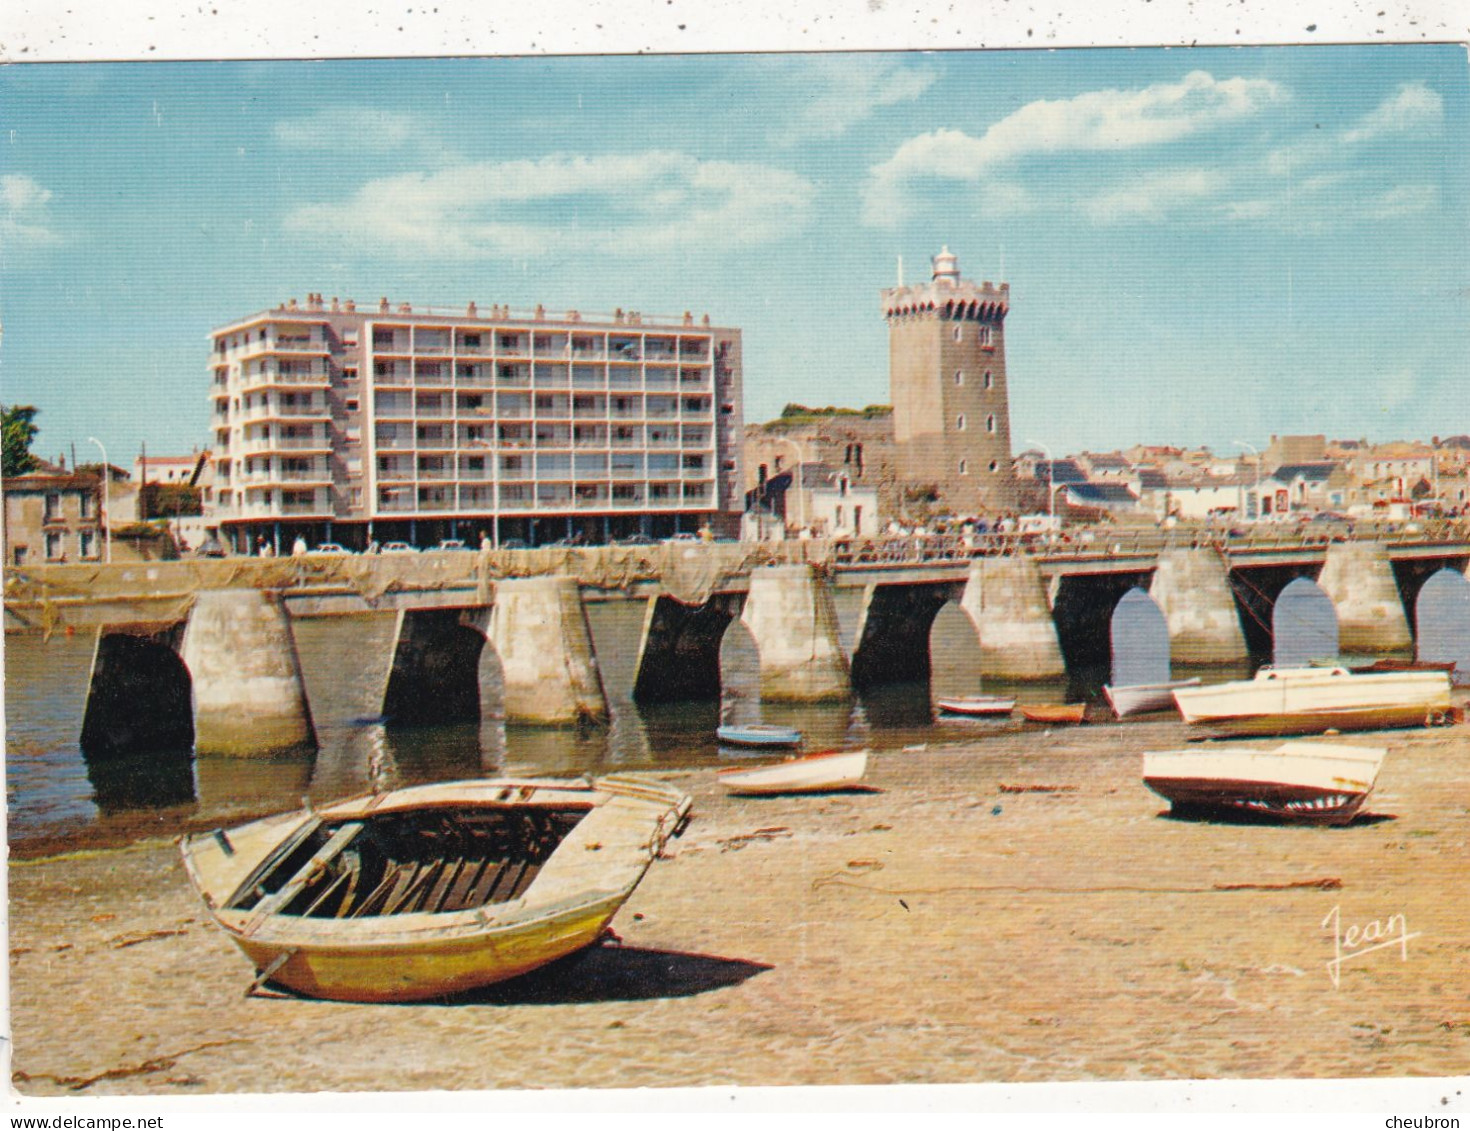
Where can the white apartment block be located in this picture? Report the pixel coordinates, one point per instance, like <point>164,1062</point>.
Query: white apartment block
<point>334,422</point>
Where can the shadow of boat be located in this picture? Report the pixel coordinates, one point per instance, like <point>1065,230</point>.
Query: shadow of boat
<point>611,973</point>
<point>1210,815</point>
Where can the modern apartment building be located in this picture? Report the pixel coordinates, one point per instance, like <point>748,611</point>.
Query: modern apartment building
<point>335,422</point>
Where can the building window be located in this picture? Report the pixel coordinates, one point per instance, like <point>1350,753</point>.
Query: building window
<point>959,422</point>
<point>994,465</point>
<point>959,376</point>
<point>837,516</point>
<point>53,511</point>
<point>964,467</point>
<point>87,543</point>
<point>959,333</point>
<point>990,423</point>
<point>53,546</point>
<point>86,505</point>
<point>989,380</point>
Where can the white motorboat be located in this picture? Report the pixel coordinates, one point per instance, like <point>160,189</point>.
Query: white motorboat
<point>1140,698</point>
<point>1315,783</point>
<point>835,769</point>
<point>1311,700</point>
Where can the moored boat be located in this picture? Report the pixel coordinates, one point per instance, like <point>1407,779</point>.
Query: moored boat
<point>1141,698</point>
<point>1311,700</point>
<point>833,769</point>
<point>1315,783</point>
<point>1060,714</point>
<point>434,889</point>
<point>758,734</point>
<point>977,705</point>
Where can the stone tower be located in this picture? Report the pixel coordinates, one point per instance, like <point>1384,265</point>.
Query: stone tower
<point>947,378</point>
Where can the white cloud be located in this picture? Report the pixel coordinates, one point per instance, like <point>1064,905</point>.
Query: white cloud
<point>347,129</point>
<point>1413,107</point>
<point>1156,196</point>
<point>625,205</point>
<point>23,218</point>
<point>1097,121</point>
<point>849,89</point>
<point>1402,200</point>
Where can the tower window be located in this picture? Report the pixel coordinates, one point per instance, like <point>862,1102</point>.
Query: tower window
<point>964,467</point>
<point>959,376</point>
<point>959,333</point>
<point>989,380</point>
<point>960,422</point>
<point>990,423</point>
<point>994,465</point>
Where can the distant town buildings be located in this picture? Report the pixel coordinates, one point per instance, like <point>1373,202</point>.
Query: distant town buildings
<point>341,423</point>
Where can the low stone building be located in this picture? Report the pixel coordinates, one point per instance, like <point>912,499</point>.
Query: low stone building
<point>53,515</point>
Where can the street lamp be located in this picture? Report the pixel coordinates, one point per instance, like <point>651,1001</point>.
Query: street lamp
<point>1256,464</point>
<point>106,499</point>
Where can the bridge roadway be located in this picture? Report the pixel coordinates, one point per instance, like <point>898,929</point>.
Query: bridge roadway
<point>47,597</point>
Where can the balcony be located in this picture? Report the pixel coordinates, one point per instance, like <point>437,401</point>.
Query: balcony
<point>291,345</point>
<point>272,376</point>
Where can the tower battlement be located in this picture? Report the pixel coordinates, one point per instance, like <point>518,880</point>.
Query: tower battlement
<point>948,296</point>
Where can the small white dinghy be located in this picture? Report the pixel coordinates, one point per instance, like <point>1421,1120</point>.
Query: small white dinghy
<point>758,734</point>
<point>977,706</point>
<point>1141,698</point>
<point>834,769</point>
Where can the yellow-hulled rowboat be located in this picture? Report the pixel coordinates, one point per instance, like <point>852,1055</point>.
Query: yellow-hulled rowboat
<point>434,889</point>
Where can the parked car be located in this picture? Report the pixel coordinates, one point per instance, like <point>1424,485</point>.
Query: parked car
<point>513,544</point>
<point>331,548</point>
<point>637,540</point>
<point>683,537</point>
<point>452,544</point>
<point>399,548</point>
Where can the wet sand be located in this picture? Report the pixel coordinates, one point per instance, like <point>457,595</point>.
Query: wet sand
<point>944,930</point>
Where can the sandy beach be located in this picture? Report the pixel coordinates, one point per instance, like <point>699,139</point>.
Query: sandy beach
<point>1013,907</point>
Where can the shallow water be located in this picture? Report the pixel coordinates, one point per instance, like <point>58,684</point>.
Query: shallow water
<point>53,791</point>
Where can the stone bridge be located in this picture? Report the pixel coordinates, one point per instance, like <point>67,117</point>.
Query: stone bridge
<point>208,645</point>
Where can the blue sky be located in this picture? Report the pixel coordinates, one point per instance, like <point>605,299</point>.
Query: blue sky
<point>1202,245</point>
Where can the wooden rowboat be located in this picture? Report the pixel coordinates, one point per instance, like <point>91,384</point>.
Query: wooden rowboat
<point>834,769</point>
<point>1060,714</point>
<point>977,706</point>
<point>434,889</point>
<point>1315,783</point>
<point>758,734</point>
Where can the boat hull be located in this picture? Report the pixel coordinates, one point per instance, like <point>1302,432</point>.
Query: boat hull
<point>406,970</point>
<point>1298,783</point>
<point>1069,715</point>
<point>982,707</point>
<point>815,774</point>
<point>1140,699</point>
<point>756,737</point>
<point>1309,701</point>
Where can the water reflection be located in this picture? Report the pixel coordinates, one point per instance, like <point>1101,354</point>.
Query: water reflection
<point>345,662</point>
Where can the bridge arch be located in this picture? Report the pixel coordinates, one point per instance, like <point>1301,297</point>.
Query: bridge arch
<point>1442,618</point>
<point>1139,634</point>
<point>139,697</point>
<point>1303,625</point>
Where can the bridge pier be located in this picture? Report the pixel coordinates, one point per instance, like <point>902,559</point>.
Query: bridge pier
<point>539,630</point>
<point>893,633</point>
<point>1192,588</point>
<point>1005,600</point>
<point>1358,577</point>
<point>679,650</point>
<point>249,698</point>
<point>791,616</point>
<point>435,674</point>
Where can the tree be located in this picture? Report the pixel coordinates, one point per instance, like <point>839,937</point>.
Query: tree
<point>19,424</point>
